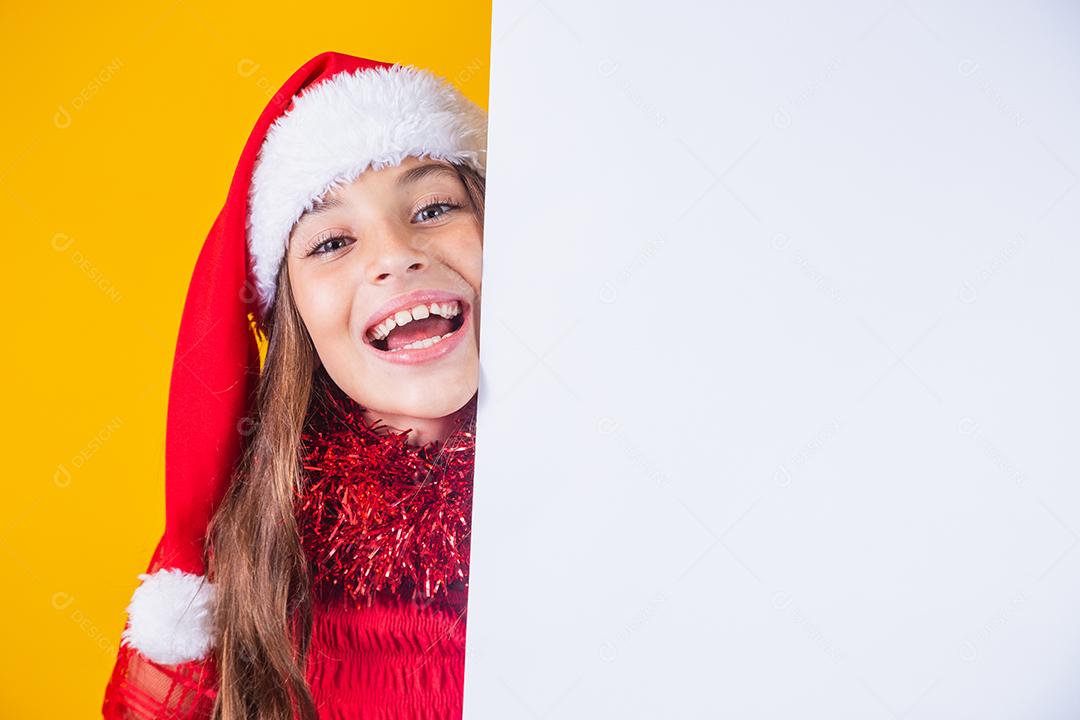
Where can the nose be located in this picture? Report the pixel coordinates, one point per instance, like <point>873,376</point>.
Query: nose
<point>397,254</point>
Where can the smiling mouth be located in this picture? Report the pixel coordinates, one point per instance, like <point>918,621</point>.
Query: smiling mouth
<point>417,328</point>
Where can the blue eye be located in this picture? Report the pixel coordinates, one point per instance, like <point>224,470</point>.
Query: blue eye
<point>425,213</point>
<point>318,247</point>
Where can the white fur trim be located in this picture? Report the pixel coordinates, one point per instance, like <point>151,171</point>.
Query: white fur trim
<point>338,128</point>
<point>170,618</point>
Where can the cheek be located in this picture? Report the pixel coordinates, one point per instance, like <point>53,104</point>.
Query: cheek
<point>477,260</point>
<point>323,304</point>
<point>467,257</point>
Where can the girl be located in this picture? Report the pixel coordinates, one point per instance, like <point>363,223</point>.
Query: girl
<point>314,562</point>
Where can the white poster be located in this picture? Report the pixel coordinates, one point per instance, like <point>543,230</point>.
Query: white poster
<point>778,409</point>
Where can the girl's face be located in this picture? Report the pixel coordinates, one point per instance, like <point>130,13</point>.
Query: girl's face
<point>385,274</point>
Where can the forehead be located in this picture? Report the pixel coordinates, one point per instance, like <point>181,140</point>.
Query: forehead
<point>411,172</point>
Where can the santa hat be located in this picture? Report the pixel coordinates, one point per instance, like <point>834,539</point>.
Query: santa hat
<point>336,117</point>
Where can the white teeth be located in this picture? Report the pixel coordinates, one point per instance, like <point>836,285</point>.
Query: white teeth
<point>404,317</point>
<point>422,343</point>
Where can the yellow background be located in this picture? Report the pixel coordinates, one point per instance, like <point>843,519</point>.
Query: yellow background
<point>122,127</point>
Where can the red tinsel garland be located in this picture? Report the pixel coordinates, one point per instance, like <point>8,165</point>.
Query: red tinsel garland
<point>377,515</point>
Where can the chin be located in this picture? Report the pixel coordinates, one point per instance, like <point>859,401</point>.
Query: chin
<point>440,403</point>
<point>436,398</point>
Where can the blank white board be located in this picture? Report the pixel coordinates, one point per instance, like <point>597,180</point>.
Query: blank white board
<point>778,416</point>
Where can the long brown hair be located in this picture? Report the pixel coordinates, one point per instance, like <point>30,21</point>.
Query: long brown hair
<point>263,609</point>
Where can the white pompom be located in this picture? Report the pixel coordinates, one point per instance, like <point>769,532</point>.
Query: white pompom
<point>170,618</point>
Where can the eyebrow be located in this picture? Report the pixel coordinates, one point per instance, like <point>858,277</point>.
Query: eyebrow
<point>422,171</point>
<point>321,206</point>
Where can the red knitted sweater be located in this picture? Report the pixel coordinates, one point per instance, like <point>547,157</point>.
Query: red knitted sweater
<point>385,525</point>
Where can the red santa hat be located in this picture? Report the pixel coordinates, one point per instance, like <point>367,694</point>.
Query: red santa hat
<point>336,117</point>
